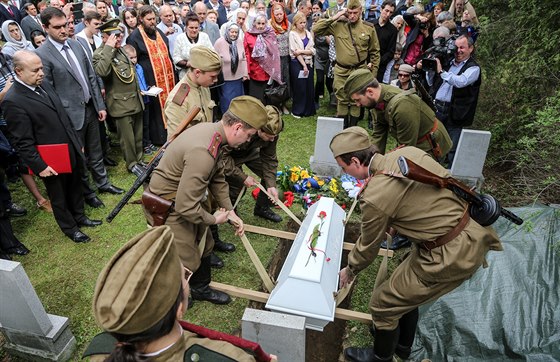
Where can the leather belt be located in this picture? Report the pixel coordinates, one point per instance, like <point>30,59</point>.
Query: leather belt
<point>426,137</point>
<point>452,234</point>
<point>355,66</point>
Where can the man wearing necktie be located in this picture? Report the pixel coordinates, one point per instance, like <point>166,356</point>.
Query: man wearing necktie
<point>9,12</point>
<point>68,69</point>
<point>35,116</point>
<point>31,21</point>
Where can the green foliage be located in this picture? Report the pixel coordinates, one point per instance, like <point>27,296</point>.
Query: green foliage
<point>519,101</point>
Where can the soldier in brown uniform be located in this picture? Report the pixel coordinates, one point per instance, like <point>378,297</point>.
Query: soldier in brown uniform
<point>402,113</point>
<point>259,155</point>
<point>190,170</point>
<point>124,100</point>
<point>140,298</point>
<point>204,66</point>
<point>449,246</point>
<point>357,47</point>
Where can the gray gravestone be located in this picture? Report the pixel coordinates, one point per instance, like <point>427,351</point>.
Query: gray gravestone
<point>29,331</point>
<point>322,162</point>
<point>280,334</point>
<point>470,157</point>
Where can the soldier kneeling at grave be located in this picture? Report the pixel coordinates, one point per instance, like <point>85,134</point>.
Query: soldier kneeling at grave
<point>139,300</point>
<point>449,246</point>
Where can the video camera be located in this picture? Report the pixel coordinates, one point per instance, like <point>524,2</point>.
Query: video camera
<point>442,49</point>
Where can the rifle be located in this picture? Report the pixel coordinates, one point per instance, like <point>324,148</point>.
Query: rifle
<point>484,209</point>
<point>152,164</point>
<point>422,92</point>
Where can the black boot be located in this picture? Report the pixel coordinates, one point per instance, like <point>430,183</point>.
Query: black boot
<point>216,261</point>
<point>399,242</point>
<point>219,244</point>
<point>262,208</point>
<point>346,123</point>
<point>407,326</point>
<point>200,285</point>
<point>383,348</point>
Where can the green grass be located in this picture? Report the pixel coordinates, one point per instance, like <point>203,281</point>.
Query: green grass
<point>64,273</point>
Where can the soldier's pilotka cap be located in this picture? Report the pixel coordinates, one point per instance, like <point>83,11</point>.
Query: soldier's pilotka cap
<point>357,80</point>
<point>351,139</point>
<point>353,4</point>
<point>275,124</point>
<point>140,284</point>
<point>111,27</point>
<point>205,59</point>
<point>250,110</point>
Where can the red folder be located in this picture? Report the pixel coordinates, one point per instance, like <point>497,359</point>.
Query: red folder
<point>56,156</point>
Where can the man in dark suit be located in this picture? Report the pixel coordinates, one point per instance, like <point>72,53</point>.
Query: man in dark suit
<point>9,12</point>
<point>220,8</point>
<point>30,22</point>
<point>68,69</point>
<point>211,29</point>
<point>35,116</point>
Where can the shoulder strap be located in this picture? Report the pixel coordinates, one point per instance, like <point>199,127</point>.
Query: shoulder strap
<point>354,43</point>
<point>103,343</point>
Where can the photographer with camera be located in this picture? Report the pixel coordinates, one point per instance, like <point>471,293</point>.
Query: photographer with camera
<point>455,85</point>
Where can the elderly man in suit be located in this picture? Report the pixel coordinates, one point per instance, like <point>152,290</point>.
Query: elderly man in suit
<point>35,116</point>
<point>211,29</point>
<point>68,69</point>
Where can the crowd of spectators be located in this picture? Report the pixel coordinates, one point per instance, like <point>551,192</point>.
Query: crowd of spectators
<point>264,45</point>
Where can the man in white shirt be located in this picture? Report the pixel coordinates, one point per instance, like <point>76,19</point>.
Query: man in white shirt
<point>169,28</point>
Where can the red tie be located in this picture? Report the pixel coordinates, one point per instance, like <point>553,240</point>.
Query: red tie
<point>10,11</point>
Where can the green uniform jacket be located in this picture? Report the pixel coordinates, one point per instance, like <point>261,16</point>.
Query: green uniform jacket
<point>191,167</point>
<point>179,103</point>
<point>122,91</point>
<point>408,118</point>
<point>365,38</point>
<point>422,213</point>
<point>250,151</point>
<point>189,348</point>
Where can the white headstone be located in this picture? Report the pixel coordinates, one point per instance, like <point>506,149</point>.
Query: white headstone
<point>309,276</point>
<point>470,156</point>
<point>280,334</point>
<point>29,331</point>
<point>322,162</point>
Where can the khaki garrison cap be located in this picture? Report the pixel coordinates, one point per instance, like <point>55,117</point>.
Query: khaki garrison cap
<point>275,124</point>
<point>353,4</point>
<point>250,110</point>
<point>140,284</point>
<point>357,80</point>
<point>205,59</point>
<point>111,27</point>
<point>351,139</point>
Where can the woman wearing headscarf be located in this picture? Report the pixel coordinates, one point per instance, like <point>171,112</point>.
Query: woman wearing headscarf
<point>15,39</point>
<point>263,59</point>
<point>281,26</point>
<point>234,66</point>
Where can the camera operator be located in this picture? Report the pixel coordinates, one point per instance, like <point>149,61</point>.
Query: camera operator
<point>455,87</point>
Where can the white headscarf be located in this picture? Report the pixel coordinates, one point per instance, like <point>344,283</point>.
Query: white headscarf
<point>13,45</point>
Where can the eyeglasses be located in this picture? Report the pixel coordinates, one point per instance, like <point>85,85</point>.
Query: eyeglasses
<point>188,274</point>
<point>404,75</point>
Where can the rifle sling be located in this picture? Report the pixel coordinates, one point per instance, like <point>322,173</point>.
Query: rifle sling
<point>443,239</point>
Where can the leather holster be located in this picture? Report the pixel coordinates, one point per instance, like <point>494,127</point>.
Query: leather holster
<point>158,207</point>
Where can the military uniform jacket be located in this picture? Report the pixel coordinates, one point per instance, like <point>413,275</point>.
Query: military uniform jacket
<point>184,96</point>
<point>422,213</point>
<point>405,115</point>
<point>190,167</point>
<point>190,347</point>
<point>122,95</point>
<point>252,150</point>
<point>348,56</point>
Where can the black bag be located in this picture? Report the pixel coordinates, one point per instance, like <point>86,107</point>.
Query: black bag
<point>276,94</point>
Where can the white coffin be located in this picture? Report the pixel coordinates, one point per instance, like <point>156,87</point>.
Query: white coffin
<point>307,283</point>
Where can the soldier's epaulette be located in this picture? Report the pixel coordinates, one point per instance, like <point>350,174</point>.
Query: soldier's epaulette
<point>181,94</point>
<point>214,146</point>
<point>368,23</point>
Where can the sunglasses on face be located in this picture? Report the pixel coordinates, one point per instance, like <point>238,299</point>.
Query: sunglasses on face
<point>404,75</point>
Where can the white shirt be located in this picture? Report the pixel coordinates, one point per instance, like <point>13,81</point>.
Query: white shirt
<point>183,48</point>
<point>171,37</point>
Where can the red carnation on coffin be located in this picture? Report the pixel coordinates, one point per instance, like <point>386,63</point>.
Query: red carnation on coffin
<point>322,215</point>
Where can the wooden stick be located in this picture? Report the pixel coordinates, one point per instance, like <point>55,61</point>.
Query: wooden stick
<point>279,203</point>
<point>261,297</point>
<point>269,285</point>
